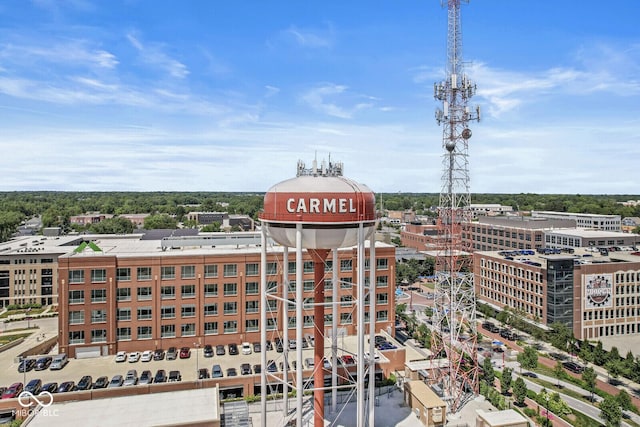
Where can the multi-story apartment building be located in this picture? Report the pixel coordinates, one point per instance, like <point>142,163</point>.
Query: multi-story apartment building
<point>89,218</point>
<point>29,269</point>
<point>595,295</point>
<point>584,220</point>
<point>580,237</point>
<point>134,294</point>
<point>420,237</point>
<point>512,232</point>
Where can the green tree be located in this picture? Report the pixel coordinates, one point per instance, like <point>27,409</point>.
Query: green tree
<point>560,336</point>
<point>528,358</point>
<point>624,400</point>
<point>505,381</point>
<point>115,225</point>
<point>159,221</point>
<point>614,354</point>
<point>488,375</point>
<point>589,378</point>
<point>213,227</point>
<point>610,411</point>
<point>558,372</point>
<point>586,355</point>
<point>519,391</point>
<point>614,368</point>
<point>599,355</point>
<point>629,363</point>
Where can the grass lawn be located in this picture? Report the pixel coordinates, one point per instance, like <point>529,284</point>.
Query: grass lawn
<point>21,311</point>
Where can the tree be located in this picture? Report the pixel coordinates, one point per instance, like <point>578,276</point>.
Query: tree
<point>115,225</point>
<point>614,354</point>
<point>158,221</point>
<point>213,227</point>
<point>558,372</point>
<point>624,400</point>
<point>610,411</point>
<point>599,355</point>
<point>528,358</point>
<point>505,381</point>
<point>561,336</point>
<point>488,374</point>
<point>589,377</point>
<point>629,363</point>
<point>586,355</point>
<point>519,391</point>
<point>614,368</point>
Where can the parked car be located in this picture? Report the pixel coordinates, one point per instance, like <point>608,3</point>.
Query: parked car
<point>216,371</point>
<point>268,345</point>
<point>257,368</point>
<point>185,353</point>
<point>59,362</point>
<point>347,359</point>
<point>158,354</point>
<point>174,376</point>
<point>529,374</point>
<point>172,353</point>
<point>34,386</point>
<point>257,348</point>
<point>293,344</point>
<point>85,383</point>
<point>573,367</point>
<point>43,363</point>
<point>12,391</point>
<point>116,381</point>
<point>310,339</point>
<point>133,357</point>
<point>245,369</point>
<point>121,356</point>
<point>66,386</point>
<point>26,365</point>
<point>231,372</point>
<point>101,382</point>
<point>160,377</point>
<point>220,351</point>
<point>282,365</point>
<point>308,362</point>
<point>203,373</point>
<point>246,348</point>
<point>147,355</point>
<point>208,351</point>
<point>131,378</point>
<point>50,387</point>
<point>233,349</point>
<point>271,366</point>
<point>146,377</point>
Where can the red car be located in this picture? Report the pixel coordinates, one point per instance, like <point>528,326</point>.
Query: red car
<point>347,359</point>
<point>13,391</point>
<point>185,353</point>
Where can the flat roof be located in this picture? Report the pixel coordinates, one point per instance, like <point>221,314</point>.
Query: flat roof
<point>501,418</point>
<point>590,233</point>
<point>38,245</point>
<point>580,255</point>
<point>155,409</point>
<point>424,394</point>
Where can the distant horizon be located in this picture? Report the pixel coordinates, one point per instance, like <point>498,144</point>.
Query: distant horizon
<point>160,96</point>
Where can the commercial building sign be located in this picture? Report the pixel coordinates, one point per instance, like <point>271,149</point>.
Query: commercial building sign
<point>598,290</point>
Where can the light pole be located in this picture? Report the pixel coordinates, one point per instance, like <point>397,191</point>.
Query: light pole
<point>547,408</point>
<point>197,345</point>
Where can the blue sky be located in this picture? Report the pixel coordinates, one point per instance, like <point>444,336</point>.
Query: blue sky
<point>154,95</point>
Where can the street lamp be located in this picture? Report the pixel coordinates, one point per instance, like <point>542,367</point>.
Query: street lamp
<point>546,398</point>
<point>197,345</point>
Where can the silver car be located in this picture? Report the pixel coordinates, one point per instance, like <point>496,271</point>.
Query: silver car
<point>131,378</point>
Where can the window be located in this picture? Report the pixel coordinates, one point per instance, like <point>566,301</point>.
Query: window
<point>145,332</point>
<point>144,273</point>
<point>76,276</point>
<point>98,295</point>
<point>307,267</point>
<point>382,316</point>
<point>167,312</point>
<point>211,290</point>
<point>272,287</point>
<point>98,316</point>
<point>188,291</point>
<point>272,268</point>
<point>188,329</point>
<point>189,310</point>
<point>211,328</point>
<point>123,314</point>
<point>230,327</point>
<point>98,275</point>
<point>230,289</point>
<point>272,324</point>
<point>382,298</point>
<point>168,292</point>
<point>168,272</point>
<point>346,300</point>
<point>98,335</point>
<point>230,308</point>
<point>345,265</point>
<point>345,318</point>
<point>308,321</point>
<point>188,272</point>
<point>144,293</point>
<point>272,305</point>
<point>123,334</point>
<point>346,283</point>
<point>76,337</point>
<point>251,325</point>
<point>251,306</point>
<point>76,317</point>
<point>382,281</point>
<point>145,313</point>
<point>328,266</point>
<point>76,297</point>
<point>308,285</point>
<point>382,264</point>
<point>292,267</point>
<point>210,271</point>
<point>123,294</point>
<point>230,270</point>
<point>252,269</point>
<point>168,331</point>
<point>251,288</point>
<point>123,274</point>
<point>211,309</point>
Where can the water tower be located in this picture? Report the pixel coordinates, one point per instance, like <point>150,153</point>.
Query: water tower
<point>318,212</point>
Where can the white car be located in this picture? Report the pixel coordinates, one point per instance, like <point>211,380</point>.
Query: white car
<point>147,355</point>
<point>121,356</point>
<point>367,356</point>
<point>246,348</point>
<point>133,357</point>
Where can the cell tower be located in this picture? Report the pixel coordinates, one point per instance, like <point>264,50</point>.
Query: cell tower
<point>454,338</point>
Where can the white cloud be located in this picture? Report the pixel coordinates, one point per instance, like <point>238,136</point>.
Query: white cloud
<point>153,54</point>
<point>310,38</point>
<point>324,98</point>
<point>65,53</point>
